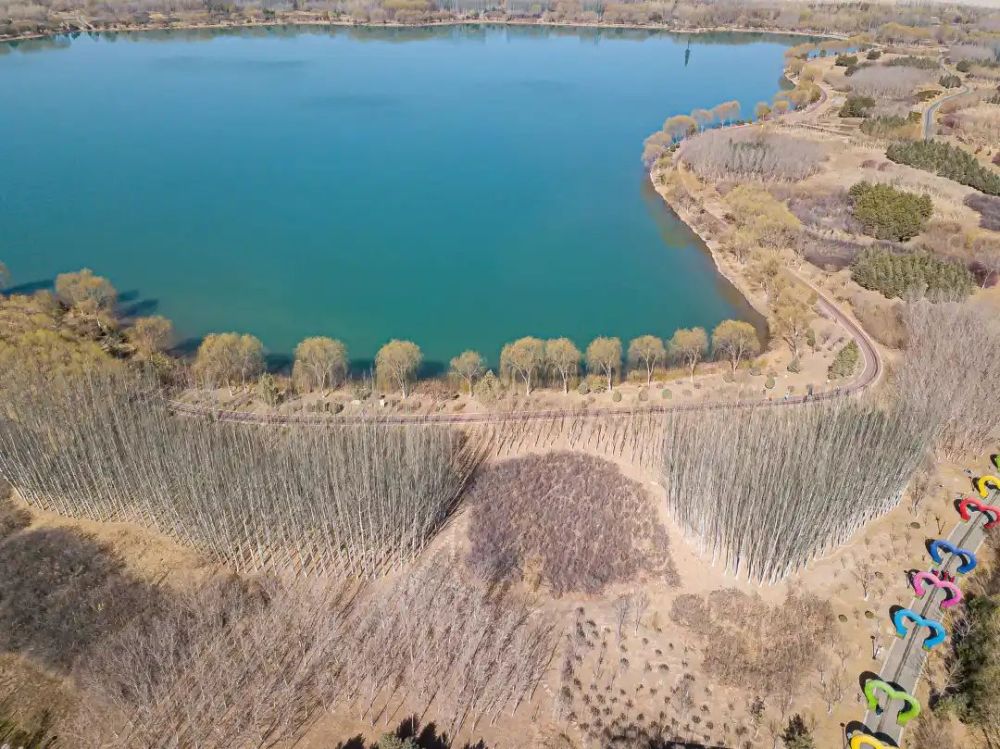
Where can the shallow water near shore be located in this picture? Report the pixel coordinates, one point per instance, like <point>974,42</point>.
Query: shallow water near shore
<point>457,186</point>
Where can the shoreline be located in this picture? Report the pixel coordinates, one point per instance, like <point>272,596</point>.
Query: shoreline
<point>329,23</point>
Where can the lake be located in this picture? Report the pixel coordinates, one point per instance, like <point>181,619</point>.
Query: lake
<point>458,186</point>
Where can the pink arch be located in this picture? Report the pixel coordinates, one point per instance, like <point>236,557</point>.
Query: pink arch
<point>936,582</point>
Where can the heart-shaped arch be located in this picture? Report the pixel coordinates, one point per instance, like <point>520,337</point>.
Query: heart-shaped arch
<point>874,686</point>
<point>970,503</point>
<point>940,545</point>
<point>902,616</point>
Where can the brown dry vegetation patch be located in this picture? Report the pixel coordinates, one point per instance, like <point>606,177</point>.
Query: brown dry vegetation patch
<point>572,519</point>
<point>753,645</point>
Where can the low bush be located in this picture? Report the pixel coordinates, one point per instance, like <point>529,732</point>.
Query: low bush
<point>889,126</point>
<point>769,383</point>
<point>888,213</point>
<point>988,209</point>
<point>873,54</point>
<point>856,106</point>
<point>946,160</point>
<point>912,61</point>
<point>846,61</point>
<point>845,362</point>
<point>895,274</point>
<point>964,66</point>
<point>794,366</point>
<point>950,81</point>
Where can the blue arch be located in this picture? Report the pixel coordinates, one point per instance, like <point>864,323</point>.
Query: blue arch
<point>969,558</point>
<point>900,618</point>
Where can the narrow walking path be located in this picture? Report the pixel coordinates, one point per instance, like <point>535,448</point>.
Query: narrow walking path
<point>932,110</point>
<point>904,663</point>
<point>871,372</point>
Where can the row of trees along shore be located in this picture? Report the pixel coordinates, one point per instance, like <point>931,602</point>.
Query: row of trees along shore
<point>322,363</point>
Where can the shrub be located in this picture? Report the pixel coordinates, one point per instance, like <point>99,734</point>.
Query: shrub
<point>873,54</point>
<point>911,61</point>
<point>616,396</point>
<point>856,106</point>
<point>845,362</point>
<point>794,366</point>
<point>666,394</point>
<point>964,66</point>
<point>946,160</point>
<point>950,81</point>
<point>583,388</point>
<point>897,274</point>
<point>988,209</point>
<point>888,213</point>
<point>574,518</point>
<point>846,61</point>
<point>769,383</point>
<point>888,126</point>
<point>751,154</point>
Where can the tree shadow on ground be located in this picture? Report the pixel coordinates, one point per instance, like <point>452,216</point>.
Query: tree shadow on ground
<point>425,737</point>
<point>61,591</point>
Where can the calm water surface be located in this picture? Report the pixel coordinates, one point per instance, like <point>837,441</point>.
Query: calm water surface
<point>459,187</point>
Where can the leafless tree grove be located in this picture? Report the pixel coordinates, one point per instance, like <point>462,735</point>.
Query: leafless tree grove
<point>766,490</point>
<point>749,153</point>
<point>575,516</point>
<point>359,499</point>
<point>253,663</point>
<point>882,82</point>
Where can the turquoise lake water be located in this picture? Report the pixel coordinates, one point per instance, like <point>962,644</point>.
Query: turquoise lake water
<point>460,187</point>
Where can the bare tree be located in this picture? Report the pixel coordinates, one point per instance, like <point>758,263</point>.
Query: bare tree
<point>397,362</point>
<point>564,357</point>
<point>735,340</point>
<point>703,117</point>
<point>649,351</point>
<point>320,363</point>
<point>151,335</point>
<point>228,358</point>
<point>604,356</point>
<point>468,365</point>
<point>524,358</point>
<point>688,345</point>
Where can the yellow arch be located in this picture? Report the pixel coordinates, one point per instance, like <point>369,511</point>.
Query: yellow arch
<point>861,740</point>
<point>983,481</point>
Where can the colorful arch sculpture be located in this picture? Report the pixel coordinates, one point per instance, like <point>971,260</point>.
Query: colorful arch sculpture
<point>968,557</point>
<point>970,503</point>
<point>873,686</point>
<point>920,578</point>
<point>902,616</point>
<point>981,483</point>
<point>862,740</point>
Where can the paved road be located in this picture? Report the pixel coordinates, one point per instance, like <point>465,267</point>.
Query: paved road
<point>930,111</point>
<point>905,660</point>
